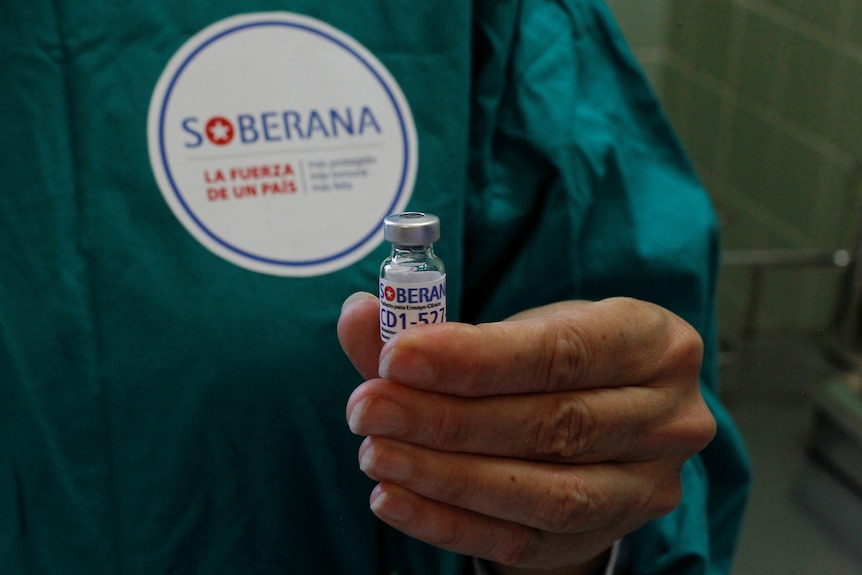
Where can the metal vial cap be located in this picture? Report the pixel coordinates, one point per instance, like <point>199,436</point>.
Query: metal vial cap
<point>411,229</point>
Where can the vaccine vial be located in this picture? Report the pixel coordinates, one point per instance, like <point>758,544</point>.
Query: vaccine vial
<point>412,278</point>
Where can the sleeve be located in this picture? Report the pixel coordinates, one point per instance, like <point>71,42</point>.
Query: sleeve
<point>481,568</point>
<point>581,189</point>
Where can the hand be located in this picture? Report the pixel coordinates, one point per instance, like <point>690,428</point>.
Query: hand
<point>534,442</point>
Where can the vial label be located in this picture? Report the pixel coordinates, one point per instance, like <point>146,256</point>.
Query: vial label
<point>404,305</point>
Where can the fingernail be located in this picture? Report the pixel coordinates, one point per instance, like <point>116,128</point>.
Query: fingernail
<point>376,415</point>
<point>355,297</point>
<point>407,366</point>
<point>384,464</point>
<point>390,508</point>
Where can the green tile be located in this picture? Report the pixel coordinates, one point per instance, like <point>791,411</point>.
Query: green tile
<point>674,92</point>
<point>752,150</point>
<point>786,300</point>
<point>683,29</point>
<point>745,228</point>
<point>712,50</point>
<point>804,98</point>
<point>784,192</point>
<point>731,299</point>
<point>848,129</point>
<point>824,14</point>
<point>702,133</point>
<point>853,26</point>
<point>838,212</point>
<point>793,194</point>
<point>779,300</point>
<point>643,23</point>
<point>764,56</point>
<point>820,297</point>
<point>799,299</point>
<point>779,3</point>
<point>694,113</point>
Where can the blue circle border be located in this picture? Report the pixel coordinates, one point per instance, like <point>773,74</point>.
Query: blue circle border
<point>285,263</point>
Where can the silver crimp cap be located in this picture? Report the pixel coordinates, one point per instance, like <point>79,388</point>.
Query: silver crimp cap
<point>411,229</point>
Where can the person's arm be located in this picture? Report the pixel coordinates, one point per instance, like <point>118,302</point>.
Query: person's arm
<point>533,443</point>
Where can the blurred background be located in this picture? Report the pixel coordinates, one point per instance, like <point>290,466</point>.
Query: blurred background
<point>766,96</point>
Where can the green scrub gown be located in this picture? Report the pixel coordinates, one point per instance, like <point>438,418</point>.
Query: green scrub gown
<point>165,411</point>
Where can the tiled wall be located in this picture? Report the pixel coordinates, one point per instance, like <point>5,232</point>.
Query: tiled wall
<point>645,25</point>
<point>767,97</point>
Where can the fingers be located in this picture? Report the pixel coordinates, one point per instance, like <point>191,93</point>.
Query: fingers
<point>533,442</point>
<point>562,347</point>
<point>359,332</point>
<point>565,346</point>
<point>661,414</point>
<point>549,497</point>
<point>512,512</point>
<point>476,535</point>
<point>613,424</point>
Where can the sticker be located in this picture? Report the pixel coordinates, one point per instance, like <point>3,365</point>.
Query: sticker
<point>281,143</point>
<point>407,304</point>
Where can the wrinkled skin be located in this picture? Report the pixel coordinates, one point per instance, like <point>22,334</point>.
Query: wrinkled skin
<point>532,443</point>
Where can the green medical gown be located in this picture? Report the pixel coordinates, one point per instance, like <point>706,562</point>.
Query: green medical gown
<point>164,411</point>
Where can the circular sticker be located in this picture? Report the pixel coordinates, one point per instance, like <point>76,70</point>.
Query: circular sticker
<point>281,143</point>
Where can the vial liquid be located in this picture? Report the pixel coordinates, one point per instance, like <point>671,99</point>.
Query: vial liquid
<point>412,278</point>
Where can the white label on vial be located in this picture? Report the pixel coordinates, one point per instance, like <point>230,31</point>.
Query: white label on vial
<point>404,305</point>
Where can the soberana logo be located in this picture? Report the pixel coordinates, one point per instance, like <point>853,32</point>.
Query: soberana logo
<point>281,143</point>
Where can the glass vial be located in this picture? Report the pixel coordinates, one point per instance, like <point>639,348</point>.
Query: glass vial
<point>412,278</point>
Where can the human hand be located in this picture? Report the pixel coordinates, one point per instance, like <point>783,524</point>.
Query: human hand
<point>532,443</point>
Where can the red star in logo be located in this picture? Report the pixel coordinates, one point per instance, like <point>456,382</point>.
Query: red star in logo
<point>389,292</point>
<point>219,131</point>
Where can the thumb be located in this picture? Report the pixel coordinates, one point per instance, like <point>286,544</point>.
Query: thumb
<point>359,332</point>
